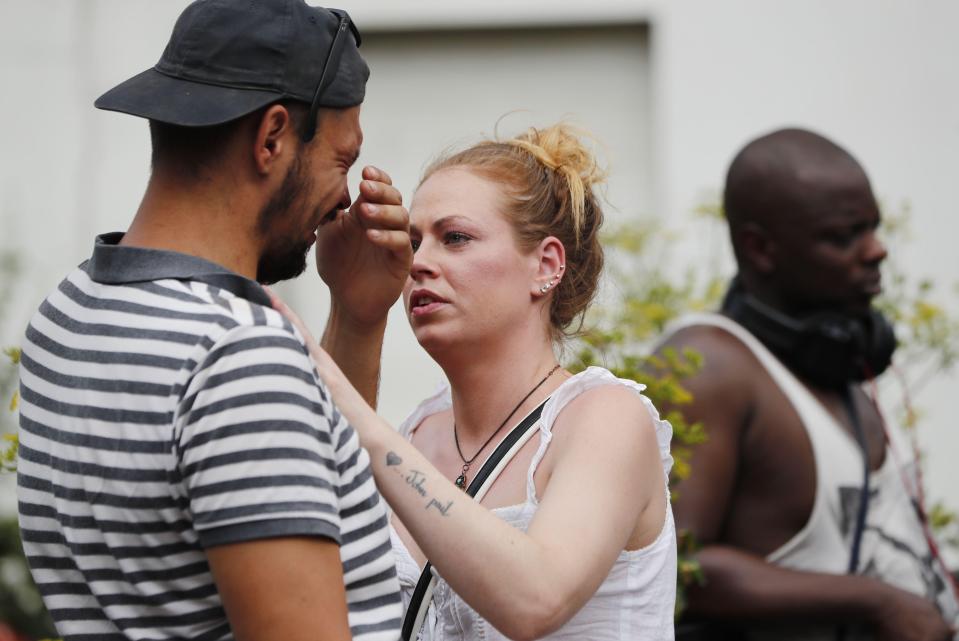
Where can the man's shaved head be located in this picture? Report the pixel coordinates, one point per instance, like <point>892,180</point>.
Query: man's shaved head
<point>772,176</point>
<point>802,220</point>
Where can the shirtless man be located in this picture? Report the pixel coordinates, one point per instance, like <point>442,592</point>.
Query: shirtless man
<point>774,495</point>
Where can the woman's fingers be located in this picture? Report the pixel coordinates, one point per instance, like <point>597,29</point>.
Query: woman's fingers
<point>347,399</point>
<point>289,314</point>
<point>321,359</point>
<point>375,191</point>
<point>371,172</point>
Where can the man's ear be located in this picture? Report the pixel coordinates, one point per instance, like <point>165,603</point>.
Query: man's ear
<point>275,138</point>
<point>757,248</point>
<point>550,265</point>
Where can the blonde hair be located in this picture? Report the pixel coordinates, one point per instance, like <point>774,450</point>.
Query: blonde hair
<point>548,176</point>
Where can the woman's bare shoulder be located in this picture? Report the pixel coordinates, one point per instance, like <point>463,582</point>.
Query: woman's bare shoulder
<point>609,409</point>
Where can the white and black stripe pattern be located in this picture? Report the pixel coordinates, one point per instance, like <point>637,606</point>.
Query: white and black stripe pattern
<point>162,416</point>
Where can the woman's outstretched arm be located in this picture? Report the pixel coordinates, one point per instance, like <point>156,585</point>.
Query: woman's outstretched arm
<point>607,474</point>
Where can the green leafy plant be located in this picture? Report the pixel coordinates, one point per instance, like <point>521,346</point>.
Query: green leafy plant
<point>21,608</point>
<point>646,298</point>
<point>928,334</point>
<point>9,271</point>
<point>8,444</point>
<point>623,328</point>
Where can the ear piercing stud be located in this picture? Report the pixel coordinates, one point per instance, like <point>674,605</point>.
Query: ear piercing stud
<point>545,288</point>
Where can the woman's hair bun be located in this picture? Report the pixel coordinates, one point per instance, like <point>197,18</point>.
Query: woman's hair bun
<point>562,148</point>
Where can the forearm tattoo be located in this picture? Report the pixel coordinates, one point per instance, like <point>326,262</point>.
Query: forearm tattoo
<point>416,480</point>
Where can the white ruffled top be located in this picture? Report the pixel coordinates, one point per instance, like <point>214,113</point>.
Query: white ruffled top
<point>637,598</point>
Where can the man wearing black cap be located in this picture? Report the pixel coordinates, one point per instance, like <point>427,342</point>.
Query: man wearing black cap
<point>808,525</point>
<point>183,472</point>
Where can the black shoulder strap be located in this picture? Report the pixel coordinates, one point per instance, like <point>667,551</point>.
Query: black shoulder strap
<point>422,585</point>
<point>849,402</point>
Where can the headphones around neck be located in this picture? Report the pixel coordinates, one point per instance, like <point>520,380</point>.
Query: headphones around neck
<point>829,349</point>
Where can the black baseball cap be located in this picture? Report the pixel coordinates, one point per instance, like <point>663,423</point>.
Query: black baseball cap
<point>228,58</point>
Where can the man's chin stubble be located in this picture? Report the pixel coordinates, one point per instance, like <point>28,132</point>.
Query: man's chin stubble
<point>277,267</point>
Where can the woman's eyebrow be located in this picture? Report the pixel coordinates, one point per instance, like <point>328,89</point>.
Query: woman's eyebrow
<point>439,222</point>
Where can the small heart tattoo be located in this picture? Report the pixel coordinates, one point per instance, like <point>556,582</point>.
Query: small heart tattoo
<point>393,459</point>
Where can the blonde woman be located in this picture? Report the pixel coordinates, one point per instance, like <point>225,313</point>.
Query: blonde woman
<point>575,538</point>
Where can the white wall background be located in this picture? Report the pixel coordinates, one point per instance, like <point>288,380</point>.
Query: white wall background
<point>673,87</point>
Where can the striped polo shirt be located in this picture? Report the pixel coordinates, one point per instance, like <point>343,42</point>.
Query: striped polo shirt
<point>166,408</point>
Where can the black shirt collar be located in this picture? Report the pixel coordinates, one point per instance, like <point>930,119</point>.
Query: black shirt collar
<point>115,264</point>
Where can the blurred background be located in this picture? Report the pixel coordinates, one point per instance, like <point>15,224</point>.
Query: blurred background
<point>672,88</point>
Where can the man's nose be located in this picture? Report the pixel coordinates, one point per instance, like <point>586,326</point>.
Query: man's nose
<point>874,250</point>
<point>345,199</point>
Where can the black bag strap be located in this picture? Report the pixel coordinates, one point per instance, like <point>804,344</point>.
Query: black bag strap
<point>849,403</point>
<point>504,447</point>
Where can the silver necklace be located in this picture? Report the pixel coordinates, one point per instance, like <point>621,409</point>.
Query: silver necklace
<point>462,479</point>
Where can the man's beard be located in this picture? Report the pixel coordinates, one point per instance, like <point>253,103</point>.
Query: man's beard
<point>284,257</point>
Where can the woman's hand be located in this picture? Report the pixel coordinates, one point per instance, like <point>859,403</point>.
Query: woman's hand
<point>364,254</point>
<point>348,401</point>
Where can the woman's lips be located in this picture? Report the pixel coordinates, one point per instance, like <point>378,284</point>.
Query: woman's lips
<point>428,308</point>
<point>424,302</point>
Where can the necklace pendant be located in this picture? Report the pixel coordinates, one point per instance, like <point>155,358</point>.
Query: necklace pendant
<point>460,481</point>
